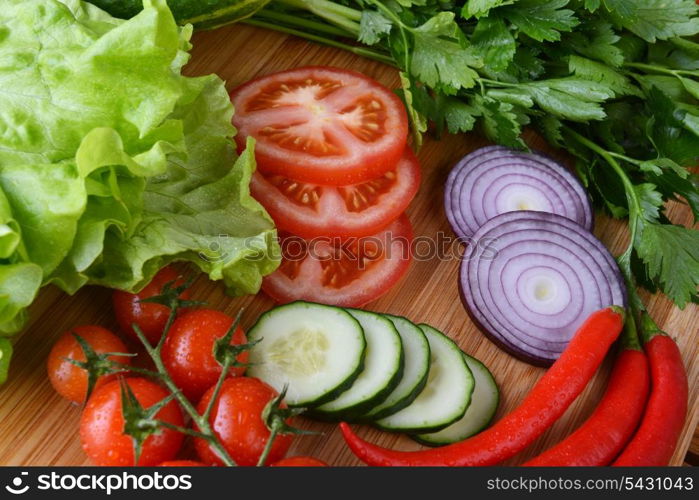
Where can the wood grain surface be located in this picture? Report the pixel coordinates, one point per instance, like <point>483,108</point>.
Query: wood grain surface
<point>37,427</point>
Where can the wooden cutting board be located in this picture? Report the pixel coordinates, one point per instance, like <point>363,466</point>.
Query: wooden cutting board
<point>37,427</point>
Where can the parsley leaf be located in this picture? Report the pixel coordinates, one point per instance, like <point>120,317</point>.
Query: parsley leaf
<point>480,8</point>
<point>596,40</point>
<point>441,58</point>
<point>615,81</point>
<point>542,20</point>
<point>650,200</point>
<point>418,120</point>
<point>671,254</point>
<point>494,42</point>
<point>655,19</point>
<point>372,27</point>
<point>571,98</point>
<point>459,116</point>
<point>500,121</point>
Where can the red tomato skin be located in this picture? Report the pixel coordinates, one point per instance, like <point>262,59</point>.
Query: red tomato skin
<point>299,462</point>
<point>375,282</point>
<point>181,463</point>
<point>102,424</point>
<point>308,222</point>
<point>70,381</point>
<point>188,350</point>
<point>320,170</point>
<point>150,317</point>
<point>237,421</point>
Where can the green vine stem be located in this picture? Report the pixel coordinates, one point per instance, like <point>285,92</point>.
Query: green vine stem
<point>201,421</point>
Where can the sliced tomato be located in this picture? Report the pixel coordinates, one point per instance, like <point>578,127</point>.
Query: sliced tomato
<point>310,210</point>
<point>321,125</point>
<point>347,273</point>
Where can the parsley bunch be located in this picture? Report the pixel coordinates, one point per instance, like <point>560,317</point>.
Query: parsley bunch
<point>613,82</point>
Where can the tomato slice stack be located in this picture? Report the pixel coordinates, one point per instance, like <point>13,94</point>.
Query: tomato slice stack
<point>335,174</point>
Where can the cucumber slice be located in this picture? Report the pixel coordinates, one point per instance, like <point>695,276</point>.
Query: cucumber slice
<point>314,349</point>
<point>446,396</point>
<point>484,403</point>
<point>415,370</point>
<point>383,368</point>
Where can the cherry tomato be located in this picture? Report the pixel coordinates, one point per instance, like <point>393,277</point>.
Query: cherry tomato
<point>310,210</point>
<point>347,273</point>
<point>149,317</point>
<point>299,462</point>
<point>237,421</point>
<point>70,381</point>
<point>102,425</point>
<point>181,463</point>
<point>321,125</point>
<point>188,352</point>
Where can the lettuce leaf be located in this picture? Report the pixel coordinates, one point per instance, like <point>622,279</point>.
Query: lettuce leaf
<point>113,164</point>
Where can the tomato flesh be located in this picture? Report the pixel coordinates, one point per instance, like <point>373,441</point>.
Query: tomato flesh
<point>311,210</point>
<point>347,273</point>
<point>322,125</point>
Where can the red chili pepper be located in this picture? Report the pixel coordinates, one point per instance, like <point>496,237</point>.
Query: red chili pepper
<point>604,434</point>
<point>657,436</point>
<point>546,402</point>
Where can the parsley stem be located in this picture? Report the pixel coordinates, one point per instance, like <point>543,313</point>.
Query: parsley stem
<point>360,51</point>
<point>651,68</point>
<point>303,23</point>
<point>498,83</point>
<point>631,196</point>
<point>337,14</point>
<point>624,260</point>
<point>401,27</point>
<point>325,6</point>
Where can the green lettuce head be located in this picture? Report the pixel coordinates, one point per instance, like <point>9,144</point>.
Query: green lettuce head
<point>113,164</point>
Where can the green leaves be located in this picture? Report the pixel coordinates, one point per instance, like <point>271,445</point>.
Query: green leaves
<point>542,20</point>
<point>615,81</point>
<point>107,187</point>
<point>655,19</point>
<point>494,42</point>
<point>441,56</point>
<point>5,355</point>
<point>671,254</point>
<point>372,27</point>
<point>596,39</point>
<point>501,122</point>
<point>480,8</point>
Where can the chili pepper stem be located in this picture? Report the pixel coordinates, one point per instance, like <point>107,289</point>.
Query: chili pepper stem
<point>629,336</point>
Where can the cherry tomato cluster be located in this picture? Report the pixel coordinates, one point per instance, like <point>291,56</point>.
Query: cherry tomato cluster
<point>335,174</point>
<point>188,355</point>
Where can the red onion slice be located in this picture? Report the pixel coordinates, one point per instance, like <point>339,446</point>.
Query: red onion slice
<point>530,279</point>
<point>495,180</point>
